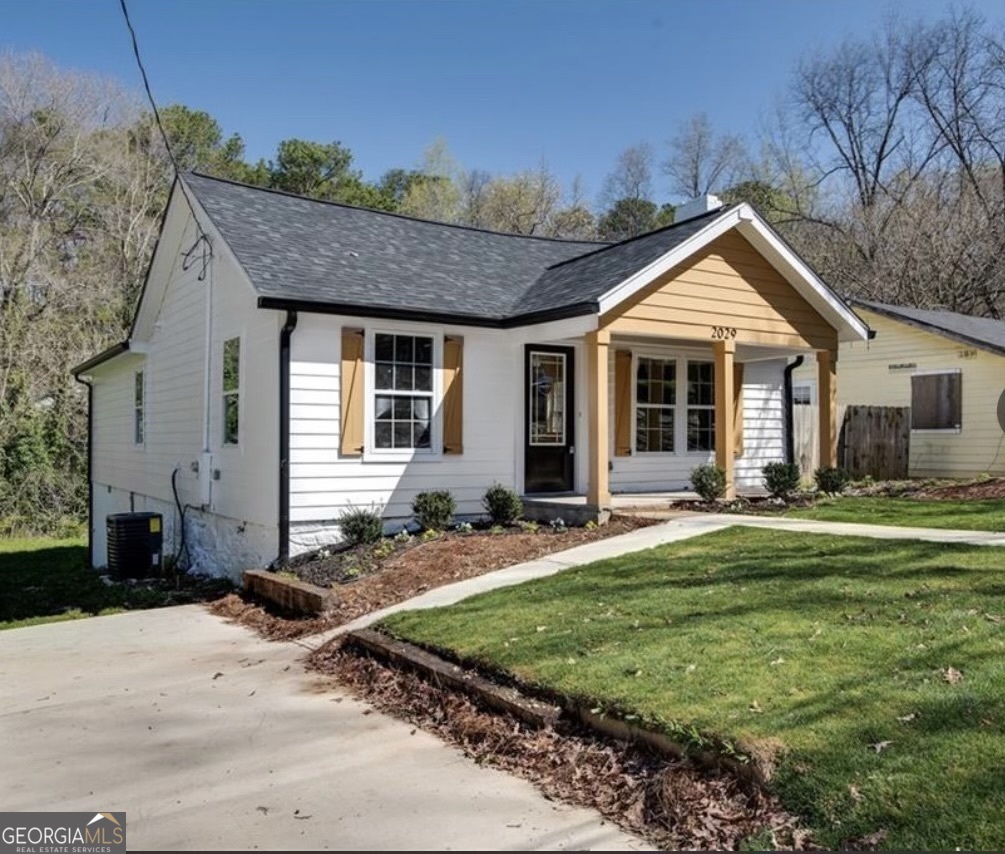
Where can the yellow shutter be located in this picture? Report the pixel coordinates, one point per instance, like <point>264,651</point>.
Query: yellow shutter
<point>737,409</point>
<point>453,395</point>
<point>351,386</point>
<point>622,403</point>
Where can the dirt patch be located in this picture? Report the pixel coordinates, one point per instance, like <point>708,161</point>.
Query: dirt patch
<point>673,804</point>
<point>415,569</point>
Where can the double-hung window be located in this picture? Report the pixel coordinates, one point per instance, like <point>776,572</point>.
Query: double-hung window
<point>139,404</point>
<point>403,391</point>
<point>700,406</point>
<point>231,391</point>
<point>655,404</point>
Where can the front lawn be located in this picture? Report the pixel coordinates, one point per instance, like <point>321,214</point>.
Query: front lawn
<point>987,515</point>
<point>46,580</point>
<point>876,667</point>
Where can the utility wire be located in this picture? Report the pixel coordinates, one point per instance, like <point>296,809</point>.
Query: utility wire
<point>160,125</point>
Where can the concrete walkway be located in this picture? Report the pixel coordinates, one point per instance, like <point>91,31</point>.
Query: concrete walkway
<point>210,738</point>
<point>685,526</point>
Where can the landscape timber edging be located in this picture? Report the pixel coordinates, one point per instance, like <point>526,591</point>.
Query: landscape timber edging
<point>291,594</point>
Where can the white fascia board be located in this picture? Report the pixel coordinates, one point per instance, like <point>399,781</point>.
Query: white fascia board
<point>553,330</point>
<point>795,271</point>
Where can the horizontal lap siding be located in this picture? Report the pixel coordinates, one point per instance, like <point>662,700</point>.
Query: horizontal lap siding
<point>864,378</point>
<point>323,483</point>
<point>728,284</point>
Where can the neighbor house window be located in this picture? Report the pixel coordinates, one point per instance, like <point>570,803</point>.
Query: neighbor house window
<point>231,391</point>
<point>655,404</point>
<point>403,391</point>
<point>937,401</point>
<point>802,395</point>
<point>700,406</point>
<point>138,407</point>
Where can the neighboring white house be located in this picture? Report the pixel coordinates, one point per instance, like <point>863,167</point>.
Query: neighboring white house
<point>948,368</point>
<point>292,358</point>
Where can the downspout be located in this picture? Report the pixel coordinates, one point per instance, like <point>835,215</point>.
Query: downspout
<point>284,437</point>
<point>790,441</point>
<point>90,464</point>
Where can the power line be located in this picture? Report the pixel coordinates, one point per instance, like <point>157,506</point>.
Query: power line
<point>160,125</point>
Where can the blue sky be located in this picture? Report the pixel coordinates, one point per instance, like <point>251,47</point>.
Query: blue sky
<point>504,83</point>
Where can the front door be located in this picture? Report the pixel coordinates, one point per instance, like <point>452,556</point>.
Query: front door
<point>550,443</point>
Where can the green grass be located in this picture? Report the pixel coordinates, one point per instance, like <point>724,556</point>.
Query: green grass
<point>754,637</point>
<point>47,580</point>
<point>986,515</point>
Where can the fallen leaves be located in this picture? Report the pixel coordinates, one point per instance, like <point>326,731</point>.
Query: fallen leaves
<point>880,746</point>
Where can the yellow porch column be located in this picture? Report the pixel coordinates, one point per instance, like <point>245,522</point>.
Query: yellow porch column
<point>724,434</point>
<point>827,394</point>
<point>597,345</point>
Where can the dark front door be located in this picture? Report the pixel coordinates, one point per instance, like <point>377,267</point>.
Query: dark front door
<point>549,419</point>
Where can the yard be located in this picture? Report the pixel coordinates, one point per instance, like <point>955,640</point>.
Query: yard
<point>47,580</point>
<point>987,515</point>
<point>873,670</point>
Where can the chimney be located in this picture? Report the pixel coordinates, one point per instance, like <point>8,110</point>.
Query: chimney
<point>696,207</point>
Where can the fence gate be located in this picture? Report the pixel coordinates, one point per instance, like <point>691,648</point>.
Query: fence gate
<point>876,441</point>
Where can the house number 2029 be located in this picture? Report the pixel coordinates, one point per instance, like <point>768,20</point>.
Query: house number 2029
<point>723,332</point>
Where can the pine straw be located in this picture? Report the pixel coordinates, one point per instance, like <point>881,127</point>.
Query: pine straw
<point>672,804</point>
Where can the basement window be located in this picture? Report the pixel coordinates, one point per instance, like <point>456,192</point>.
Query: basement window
<point>937,401</point>
<point>231,391</point>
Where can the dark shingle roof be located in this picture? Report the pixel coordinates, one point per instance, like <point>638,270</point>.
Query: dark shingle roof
<point>304,251</point>
<point>979,331</point>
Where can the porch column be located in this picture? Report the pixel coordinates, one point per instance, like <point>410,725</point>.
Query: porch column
<point>597,345</point>
<point>724,435</point>
<point>827,395</point>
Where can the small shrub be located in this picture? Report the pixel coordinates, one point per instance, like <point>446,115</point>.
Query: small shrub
<point>434,510</point>
<point>497,529</point>
<point>781,479</point>
<point>403,538</point>
<point>502,504</point>
<point>383,549</point>
<point>591,525</point>
<point>558,526</point>
<point>361,525</point>
<point>529,527</point>
<point>709,481</point>
<point>429,534</point>
<point>465,528</point>
<point>831,481</point>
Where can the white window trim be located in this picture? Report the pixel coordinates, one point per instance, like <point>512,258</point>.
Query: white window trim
<point>372,453</point>
<point>224,444</point>
<point>681,357</point>
<point>811,385</point>
<point>665,356</point>
<point>141,409</point>
<point>952,431</point>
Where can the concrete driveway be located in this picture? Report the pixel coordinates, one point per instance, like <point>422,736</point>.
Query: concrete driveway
<point>211,738</point>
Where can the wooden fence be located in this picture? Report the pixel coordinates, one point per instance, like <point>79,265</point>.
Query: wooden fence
<point>876,441</point>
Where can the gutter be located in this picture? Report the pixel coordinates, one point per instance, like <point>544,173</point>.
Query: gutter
<point>790,440</point>
<point>284,436</point>
<point>101,358</point>
<point>90,464</point>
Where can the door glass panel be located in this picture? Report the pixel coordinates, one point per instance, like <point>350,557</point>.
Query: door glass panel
<point>547,398</point>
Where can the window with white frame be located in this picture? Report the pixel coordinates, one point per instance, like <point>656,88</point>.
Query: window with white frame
<point>231,391</point>
<point>403,391</point>
<point>937,401</point>
<point>802,395</point>
<point>655,404</point>
<point>700,406</point>
<point>139,404</point>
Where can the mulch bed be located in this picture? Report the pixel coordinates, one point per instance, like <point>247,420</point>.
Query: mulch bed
<point>673,804</point>
<point>977,491</point>
<point>416,568</point>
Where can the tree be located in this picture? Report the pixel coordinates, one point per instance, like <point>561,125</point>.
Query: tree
<point>627,195</point>
<point>198,145</point>
<point>628,218</point>
<point>702,160</point>
<point>316,169</point>
<point>436,195</point>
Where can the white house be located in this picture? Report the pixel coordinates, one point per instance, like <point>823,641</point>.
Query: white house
<point>292,358</point>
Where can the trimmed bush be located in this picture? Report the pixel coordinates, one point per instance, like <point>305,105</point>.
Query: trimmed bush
<point>831,480</point>
<point>781,479</point>
<point>435,510</point>
<point>709,481</point>
<point>360,526</point>
<point>502,504</point>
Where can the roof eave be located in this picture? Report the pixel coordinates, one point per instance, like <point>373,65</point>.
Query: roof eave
<point>101,358</point>
<point>934,329</point>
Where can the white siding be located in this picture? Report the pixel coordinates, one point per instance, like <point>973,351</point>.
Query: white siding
<point>763,426</point>
<point>174,362</point>
<point>323,483</point>
<point>864,378</point>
